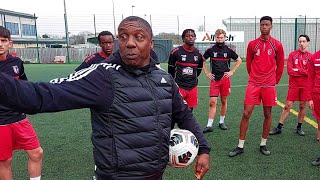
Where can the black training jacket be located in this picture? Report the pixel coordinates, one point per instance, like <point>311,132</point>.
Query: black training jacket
<point>131,112</point>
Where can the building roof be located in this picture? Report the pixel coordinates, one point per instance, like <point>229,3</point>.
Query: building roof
<point>13,13</point>
<point>227,21</point>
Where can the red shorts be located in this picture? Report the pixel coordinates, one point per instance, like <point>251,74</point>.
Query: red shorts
<point>256,94</point>
<point>297,94</point>
<point>316,104</point>
<point>19,135</point>
<point>190,96</point>
<point>221,87</point>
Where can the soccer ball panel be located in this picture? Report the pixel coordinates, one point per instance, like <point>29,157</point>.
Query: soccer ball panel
<point>183,148</point>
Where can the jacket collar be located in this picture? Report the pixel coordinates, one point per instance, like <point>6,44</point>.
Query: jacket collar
<point>116,59</point>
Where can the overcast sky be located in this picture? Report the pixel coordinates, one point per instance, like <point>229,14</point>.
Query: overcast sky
<point>225,8</point>
<point>50,12</point>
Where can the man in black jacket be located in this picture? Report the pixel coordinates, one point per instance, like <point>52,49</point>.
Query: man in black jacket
<point>133,104</point>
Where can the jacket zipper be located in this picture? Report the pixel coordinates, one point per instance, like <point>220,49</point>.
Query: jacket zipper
<point>157,117</point>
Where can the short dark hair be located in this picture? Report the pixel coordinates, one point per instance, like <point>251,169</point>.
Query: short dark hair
<point>138,19</point>
<point>268,18</point>
<point>4,32</point>
<point>105,33</point>
<point>306,36</point>
<point>186,31</point>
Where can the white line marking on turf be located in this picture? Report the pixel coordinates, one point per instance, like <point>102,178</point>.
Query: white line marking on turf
<point>308,120</point>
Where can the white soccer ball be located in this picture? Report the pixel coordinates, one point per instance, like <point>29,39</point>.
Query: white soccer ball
<point>183,148</point>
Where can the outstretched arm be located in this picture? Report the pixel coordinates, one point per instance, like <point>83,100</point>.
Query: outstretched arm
<point>89,88</point>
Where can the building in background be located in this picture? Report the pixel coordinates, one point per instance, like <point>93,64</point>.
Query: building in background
<point>24,30</point>
<point>21,25</point>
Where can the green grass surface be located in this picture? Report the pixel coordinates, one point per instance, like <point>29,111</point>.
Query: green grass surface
<point>65,138</point>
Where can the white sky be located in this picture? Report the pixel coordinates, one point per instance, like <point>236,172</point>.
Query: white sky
<point>80,12</point>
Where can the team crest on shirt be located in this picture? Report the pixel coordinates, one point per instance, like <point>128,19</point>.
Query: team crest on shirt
<point>296,61</point>
<point>269,52</point>
<point>215,54</point>
<point>304,62</point>
<point>15,69</point>
<point>258,52</point>
<point>225,55</point>
<point>183,57</point>
<point>195,58</point>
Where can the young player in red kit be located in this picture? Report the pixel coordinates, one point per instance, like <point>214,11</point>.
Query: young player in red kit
<point>185,65</point>
<point>219,75</point>
<point>297,68</point>
<point>106,42</point>
<point>16,131</point>
<point>265,63</point>
<point>314,92</point>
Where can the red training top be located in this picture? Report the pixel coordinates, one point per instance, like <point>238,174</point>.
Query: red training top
<point>265,61</point>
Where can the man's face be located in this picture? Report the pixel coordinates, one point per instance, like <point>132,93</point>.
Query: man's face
<point>189,38</point>
<point>265,27</point>
<point>5,44</point>
<point>303,43</point>
<point>135,43</point>
<point>106,44</point>
<point>220,38</point>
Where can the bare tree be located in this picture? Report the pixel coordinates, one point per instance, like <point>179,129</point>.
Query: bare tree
<point>176,39</point>
<point>201,28</point>
<point>45,36</point>
<point>80,38</point>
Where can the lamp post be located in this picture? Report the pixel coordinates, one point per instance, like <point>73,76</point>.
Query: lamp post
<point>66,29</point>
<point>132,6</point>
<point>114,19</point>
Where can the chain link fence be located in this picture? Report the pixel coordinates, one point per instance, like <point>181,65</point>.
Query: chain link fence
<point>286,30</point>
<point>168,27</point>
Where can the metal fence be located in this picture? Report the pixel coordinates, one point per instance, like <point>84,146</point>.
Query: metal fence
<point>285,30</point>
<point>95,23</point>
<point>162,47</point>
<point>53,55</point>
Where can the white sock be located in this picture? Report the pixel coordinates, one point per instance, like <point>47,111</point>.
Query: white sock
<point>36,178</point>
<point>263,142</point>
<point>222,119</point>
<point>210,122</point>
<point>241,143</point>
